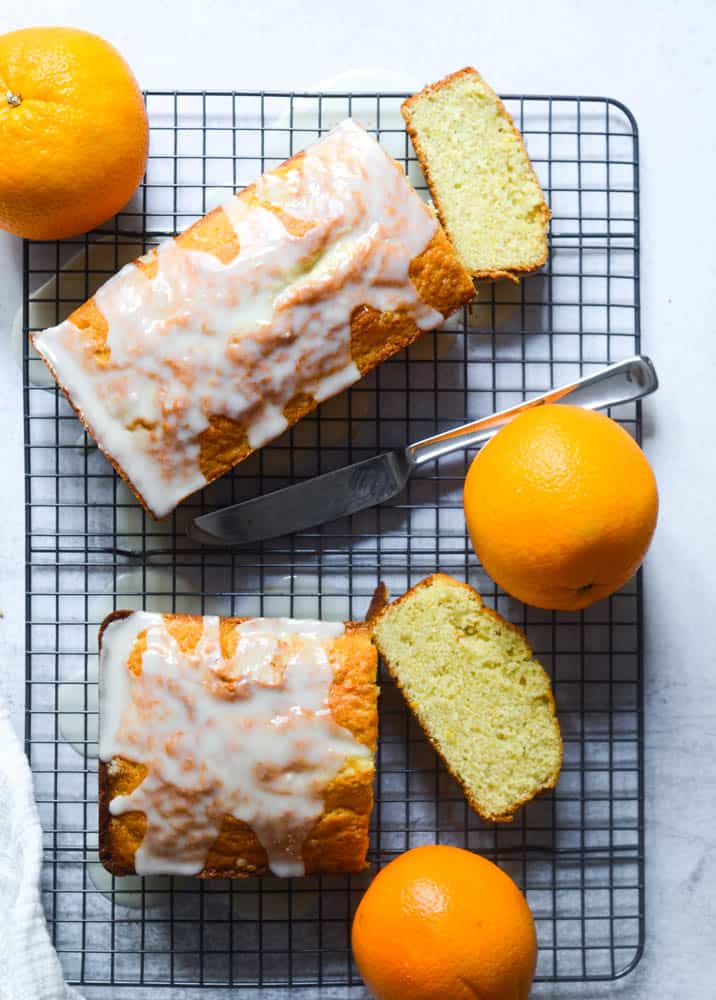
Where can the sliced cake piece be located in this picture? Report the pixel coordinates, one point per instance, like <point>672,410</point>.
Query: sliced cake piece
<point>480,176</point>
<point>483,700</point>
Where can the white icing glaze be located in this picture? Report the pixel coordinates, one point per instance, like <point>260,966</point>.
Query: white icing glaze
<point>156,588</point>
<point>242,339</point>
<point>250,737</point>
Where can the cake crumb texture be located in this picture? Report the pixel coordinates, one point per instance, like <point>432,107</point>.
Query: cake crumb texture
<point>482,698</point>
<point>482,182</point>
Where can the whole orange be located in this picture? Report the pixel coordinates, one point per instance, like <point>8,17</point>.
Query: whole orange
<point>561,505</point>
<point>73,132</point>
<point>440,923</point>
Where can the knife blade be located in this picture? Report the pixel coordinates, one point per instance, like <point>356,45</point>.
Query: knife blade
<point>322,498</point>
<point>375,480</point>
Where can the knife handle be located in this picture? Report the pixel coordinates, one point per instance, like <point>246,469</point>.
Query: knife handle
<point>619,383</point>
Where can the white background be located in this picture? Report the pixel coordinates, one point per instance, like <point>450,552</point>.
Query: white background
<point>657,57</point>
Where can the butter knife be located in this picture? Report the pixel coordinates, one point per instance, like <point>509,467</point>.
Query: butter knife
<point>375,480</point>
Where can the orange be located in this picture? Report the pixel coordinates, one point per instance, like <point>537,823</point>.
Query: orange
<point>440,923</point>
<point>561,505</point>
<point>73,132</point>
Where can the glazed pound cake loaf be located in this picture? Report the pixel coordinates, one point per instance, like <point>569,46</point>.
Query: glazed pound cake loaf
<point>482,698</point>
<point>208,347</point>
<point>232,747</point>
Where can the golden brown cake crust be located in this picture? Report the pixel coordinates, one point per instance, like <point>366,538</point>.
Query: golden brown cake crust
<point>439,278</point>
<point>512,274</point>
<point>339,839</point>
<point>384,608</point>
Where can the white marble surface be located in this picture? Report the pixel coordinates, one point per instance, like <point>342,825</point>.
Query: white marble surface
<point>656,57</point>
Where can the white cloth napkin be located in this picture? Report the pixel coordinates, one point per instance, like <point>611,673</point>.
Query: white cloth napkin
<point>29,967</point>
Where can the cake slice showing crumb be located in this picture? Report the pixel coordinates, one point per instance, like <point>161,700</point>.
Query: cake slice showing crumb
<point>482,698</point>
<point>480,176</point>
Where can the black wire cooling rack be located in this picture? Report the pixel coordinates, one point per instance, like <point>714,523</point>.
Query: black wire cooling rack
<point>577,853</point>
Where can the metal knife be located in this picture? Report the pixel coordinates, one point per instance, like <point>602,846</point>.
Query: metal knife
<point>375,480</point>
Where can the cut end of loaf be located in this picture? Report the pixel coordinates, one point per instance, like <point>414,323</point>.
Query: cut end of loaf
<point>483,700</point>
<point>480,177</point>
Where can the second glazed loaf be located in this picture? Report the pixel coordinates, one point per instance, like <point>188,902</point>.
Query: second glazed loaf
<point>232,747</point>
<point>208,347</point>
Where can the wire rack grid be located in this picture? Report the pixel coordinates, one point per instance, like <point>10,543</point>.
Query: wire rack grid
<point>577,853</point>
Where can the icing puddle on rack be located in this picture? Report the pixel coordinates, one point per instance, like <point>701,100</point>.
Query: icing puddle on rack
<point>138,894</point>
<point>131,891</point>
